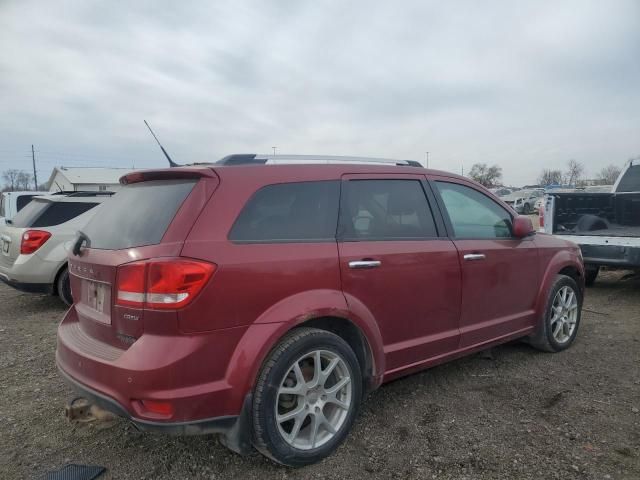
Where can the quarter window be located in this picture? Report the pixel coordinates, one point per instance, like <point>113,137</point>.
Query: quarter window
<point>386,210</point>
<point>290,212</point>
<point>472,214</point>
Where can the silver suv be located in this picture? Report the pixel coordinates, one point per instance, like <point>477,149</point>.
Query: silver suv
<point>34,245</point>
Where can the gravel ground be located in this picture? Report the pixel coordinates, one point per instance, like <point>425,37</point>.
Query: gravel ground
<point>511,413</point>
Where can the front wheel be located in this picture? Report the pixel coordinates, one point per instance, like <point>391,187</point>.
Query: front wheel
<point>559,326</point>
<point>306,397</point>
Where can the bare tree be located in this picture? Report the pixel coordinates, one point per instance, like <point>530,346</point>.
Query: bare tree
<point>24,180</point>
<point>10,178</point>
<point>485,175</point>
<point>609,174</point>
<point>549,177</point>
<point>574,170</point>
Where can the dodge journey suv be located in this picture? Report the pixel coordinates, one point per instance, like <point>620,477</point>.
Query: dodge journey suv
<point>261,298</point>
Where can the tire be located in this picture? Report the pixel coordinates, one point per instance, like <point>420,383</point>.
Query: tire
<point>278,372</point>
<point>544,338</point>
<point>590,275</point>
<point>63,287</point>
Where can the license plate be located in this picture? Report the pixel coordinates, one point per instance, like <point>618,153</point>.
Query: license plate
<point>95,295</point>
<point>5,247</point>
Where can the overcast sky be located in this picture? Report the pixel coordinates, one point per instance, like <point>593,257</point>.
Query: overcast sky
<point>526,85</point>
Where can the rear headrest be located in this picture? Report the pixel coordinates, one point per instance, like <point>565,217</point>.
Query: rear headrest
<point>401,205</point>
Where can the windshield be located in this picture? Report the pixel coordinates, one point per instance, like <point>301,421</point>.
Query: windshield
<point>137,215</point>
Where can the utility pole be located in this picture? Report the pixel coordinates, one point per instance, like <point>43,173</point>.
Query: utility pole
<point>427,159</point>
<point>35,175</point>
<point>274,151</point>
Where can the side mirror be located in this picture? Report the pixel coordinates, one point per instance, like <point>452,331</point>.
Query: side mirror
<point>522,226</point>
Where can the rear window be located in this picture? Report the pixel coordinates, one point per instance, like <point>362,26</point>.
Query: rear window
<point>23,201</point>
<point>290,212</point>
<point>42,213</point>
<point>137,215</point>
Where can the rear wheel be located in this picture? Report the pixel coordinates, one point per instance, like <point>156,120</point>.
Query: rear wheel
<point>559,327</point>
<point>590,274</point>
<point>306,398</point>
<point>64,287</point>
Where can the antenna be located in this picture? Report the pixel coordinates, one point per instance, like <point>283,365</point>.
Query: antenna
<point>171,162</point>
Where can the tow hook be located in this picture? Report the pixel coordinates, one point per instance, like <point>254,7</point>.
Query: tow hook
<point>80,410</point>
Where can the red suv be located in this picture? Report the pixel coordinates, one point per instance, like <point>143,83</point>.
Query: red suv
<point>261,299</point>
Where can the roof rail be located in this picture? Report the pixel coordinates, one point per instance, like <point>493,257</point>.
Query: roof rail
<point>268,159</point>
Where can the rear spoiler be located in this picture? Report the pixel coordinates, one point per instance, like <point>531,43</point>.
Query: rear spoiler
<point>175,173</point>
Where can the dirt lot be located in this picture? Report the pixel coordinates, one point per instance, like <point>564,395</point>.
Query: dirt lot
<point>519,414</point>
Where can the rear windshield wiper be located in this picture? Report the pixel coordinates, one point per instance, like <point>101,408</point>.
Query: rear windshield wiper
<point>82,238</point>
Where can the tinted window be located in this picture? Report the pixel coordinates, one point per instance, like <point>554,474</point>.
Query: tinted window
<point>139,214</point>
<point>305,211</point>
<point>386,210</point>
<point>22,201</point>
<point>472,214</point>
<point>42,213</point>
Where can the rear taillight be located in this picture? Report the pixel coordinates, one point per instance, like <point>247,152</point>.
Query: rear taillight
<point>161,283</point>
<point>541,216</point>
<point>32,240</point>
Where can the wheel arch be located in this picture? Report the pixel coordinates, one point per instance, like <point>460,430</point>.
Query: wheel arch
<point>564,262</point>
<point>320,309</point>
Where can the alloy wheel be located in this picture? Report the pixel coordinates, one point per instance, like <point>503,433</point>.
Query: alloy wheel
<point>313,399</point>
<point>564,314</point>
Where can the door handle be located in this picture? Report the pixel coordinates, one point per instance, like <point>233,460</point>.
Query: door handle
<point>360,264</point>
<point>474,256</point>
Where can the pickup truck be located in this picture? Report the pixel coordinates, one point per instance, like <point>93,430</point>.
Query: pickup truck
<point>12,202</point>
<point>606,225</point>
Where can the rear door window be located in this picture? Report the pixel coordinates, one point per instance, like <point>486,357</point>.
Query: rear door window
<point>139,214</point>
<point>386,210</point>
<point>289,212</point>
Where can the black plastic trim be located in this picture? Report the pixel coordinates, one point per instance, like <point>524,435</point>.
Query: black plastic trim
<point>611,255</point>
<point>28,287</point>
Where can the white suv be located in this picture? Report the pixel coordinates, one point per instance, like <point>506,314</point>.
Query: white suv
<point>35,243</point>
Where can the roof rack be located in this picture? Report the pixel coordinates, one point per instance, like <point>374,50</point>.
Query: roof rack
<point>258,159</point>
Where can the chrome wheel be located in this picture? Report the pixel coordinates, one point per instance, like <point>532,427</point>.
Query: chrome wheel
<point>313,399</point>
<point>564,314</point>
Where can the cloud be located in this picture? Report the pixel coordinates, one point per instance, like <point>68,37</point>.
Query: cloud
<point>527,85</point>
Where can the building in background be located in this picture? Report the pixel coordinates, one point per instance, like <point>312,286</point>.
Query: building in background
<point>86,179</point>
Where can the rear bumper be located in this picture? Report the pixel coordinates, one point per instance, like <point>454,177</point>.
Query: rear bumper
<point>186,371</point>
<point>27,287</point>
<point>611,255</point>
<point>209,425</point>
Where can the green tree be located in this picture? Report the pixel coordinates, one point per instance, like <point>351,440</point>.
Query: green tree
<point>485,175</point>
